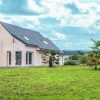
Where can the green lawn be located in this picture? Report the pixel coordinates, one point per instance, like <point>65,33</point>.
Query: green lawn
<point>44,83</point>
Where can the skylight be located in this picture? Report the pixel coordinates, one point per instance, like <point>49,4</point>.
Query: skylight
<point>45,42</point>
<point>26,38</point>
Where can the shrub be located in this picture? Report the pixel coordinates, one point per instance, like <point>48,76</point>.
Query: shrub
<point>83,60</point>
<point>71,62</point>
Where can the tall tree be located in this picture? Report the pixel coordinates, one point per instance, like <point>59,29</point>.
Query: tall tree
<point>94,55</point>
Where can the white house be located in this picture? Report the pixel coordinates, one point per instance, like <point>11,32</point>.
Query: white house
<point>23,47</point>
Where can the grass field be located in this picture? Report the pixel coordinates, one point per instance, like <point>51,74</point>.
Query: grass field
<point>44,83</point>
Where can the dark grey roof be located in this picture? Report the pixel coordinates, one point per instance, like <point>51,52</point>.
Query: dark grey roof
<point>35,38</point>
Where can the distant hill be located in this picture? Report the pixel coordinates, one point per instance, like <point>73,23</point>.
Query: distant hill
<point>73,52</point>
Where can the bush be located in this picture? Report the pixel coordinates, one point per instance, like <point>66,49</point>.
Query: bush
<point>71,62</point>
<point>83,60</point>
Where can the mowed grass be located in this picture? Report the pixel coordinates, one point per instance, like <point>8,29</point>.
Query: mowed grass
<point>44,83</point>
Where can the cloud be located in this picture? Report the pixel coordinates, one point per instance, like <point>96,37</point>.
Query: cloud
<point>66,12</point>
<point>97,24</point>
<point>20,7</point>
<point>0,2</point>
<point>31,4</point>
<point>78,45</point>
<point>79,20</point>
<point>87,13</point>
<point>23,21</point>
<point>95,27</point>
<point>88,8</point>
<point>55,9</point>
<point>88,1</point>
<point>73,8</point>
<point>59,35</point>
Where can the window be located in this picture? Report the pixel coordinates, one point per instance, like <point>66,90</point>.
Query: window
<point>26,38</point>
<point>18,57</point>
<point>9,57</point>
<point>28,58</point>
<point>45,42</point>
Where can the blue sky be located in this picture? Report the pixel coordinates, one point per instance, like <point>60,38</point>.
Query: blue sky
<point>68,23</point>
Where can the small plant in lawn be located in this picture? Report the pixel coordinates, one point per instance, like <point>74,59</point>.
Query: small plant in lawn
<point>53,58</point>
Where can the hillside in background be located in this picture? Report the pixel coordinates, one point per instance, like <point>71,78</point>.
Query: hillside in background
<point>73,52</point>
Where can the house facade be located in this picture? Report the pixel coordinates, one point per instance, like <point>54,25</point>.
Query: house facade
<point>23,47</point>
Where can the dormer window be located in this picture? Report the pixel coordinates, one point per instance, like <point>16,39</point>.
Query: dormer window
<point>45,42</point>
<point>26,38</point>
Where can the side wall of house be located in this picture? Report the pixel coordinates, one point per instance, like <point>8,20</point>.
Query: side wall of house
<point>61,60</point>
<point>9,43</point>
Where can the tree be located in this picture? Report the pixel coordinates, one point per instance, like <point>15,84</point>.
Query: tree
<point>53,58</point>
<point>94,55</point>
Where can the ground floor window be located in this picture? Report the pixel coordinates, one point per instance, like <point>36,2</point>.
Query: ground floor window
<point>18,57</point>
<point>28,58</point>
<point>9,57</point>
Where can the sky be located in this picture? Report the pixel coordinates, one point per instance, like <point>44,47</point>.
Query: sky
<point>70,24</point>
